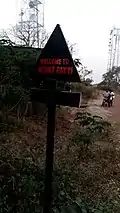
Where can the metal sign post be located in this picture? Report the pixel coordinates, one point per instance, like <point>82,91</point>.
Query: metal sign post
<point>50,148</point>
<point>56,64</point>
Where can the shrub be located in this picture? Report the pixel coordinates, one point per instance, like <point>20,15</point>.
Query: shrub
<point>88,92</point>
<point>22,186</point>
<point>89,128</point>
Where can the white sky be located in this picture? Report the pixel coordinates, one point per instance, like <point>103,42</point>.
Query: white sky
<point>85,22</point>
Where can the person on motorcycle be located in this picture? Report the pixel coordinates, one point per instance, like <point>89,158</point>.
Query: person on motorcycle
<point>112,97</point>
<point>106,96</point>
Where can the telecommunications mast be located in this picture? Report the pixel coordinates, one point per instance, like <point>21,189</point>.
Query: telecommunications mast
<point>114,49</point>
<point>32,13</point>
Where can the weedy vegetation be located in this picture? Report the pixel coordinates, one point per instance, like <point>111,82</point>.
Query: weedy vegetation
<point>85,159</point>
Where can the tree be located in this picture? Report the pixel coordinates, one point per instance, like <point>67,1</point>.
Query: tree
<point>25,35</point>
<point>72,47</point>
<point>77,62</point>
<point>88,81</point>
<point>82,70</point>
<point>12,91</point>
<point>112,77</point>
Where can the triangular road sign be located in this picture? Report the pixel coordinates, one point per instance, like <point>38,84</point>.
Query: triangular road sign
<point>56,61</point>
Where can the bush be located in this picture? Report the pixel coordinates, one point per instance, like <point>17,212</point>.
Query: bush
<point>103,87</point>
<point>89,128</point>
<point>88,92</point>
<point>22,186</point>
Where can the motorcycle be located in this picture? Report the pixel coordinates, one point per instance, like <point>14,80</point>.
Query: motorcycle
<point>111,101</point>
<point>105,102</point>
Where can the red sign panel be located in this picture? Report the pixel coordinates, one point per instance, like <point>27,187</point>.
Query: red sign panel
<point>55,66</point>
<point>56,61</point>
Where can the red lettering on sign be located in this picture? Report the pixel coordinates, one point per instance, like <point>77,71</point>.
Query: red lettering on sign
<point>70,70</point>
<point>64,70</point>
<point>65,61</point>
<point>42,61</point>
<point>59,61</point>
<point>45,61</point>
<point>59,70</point>
<point>46,70</point>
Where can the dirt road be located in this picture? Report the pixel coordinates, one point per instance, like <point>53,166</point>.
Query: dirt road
<point>115,110</point>
<point>112,114</point>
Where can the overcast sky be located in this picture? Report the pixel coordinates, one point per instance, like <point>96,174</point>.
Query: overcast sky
<point>85,22</point>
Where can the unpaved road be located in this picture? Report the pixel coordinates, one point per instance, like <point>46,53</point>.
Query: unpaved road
<point>115,110</point>
<point>112,114</point>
